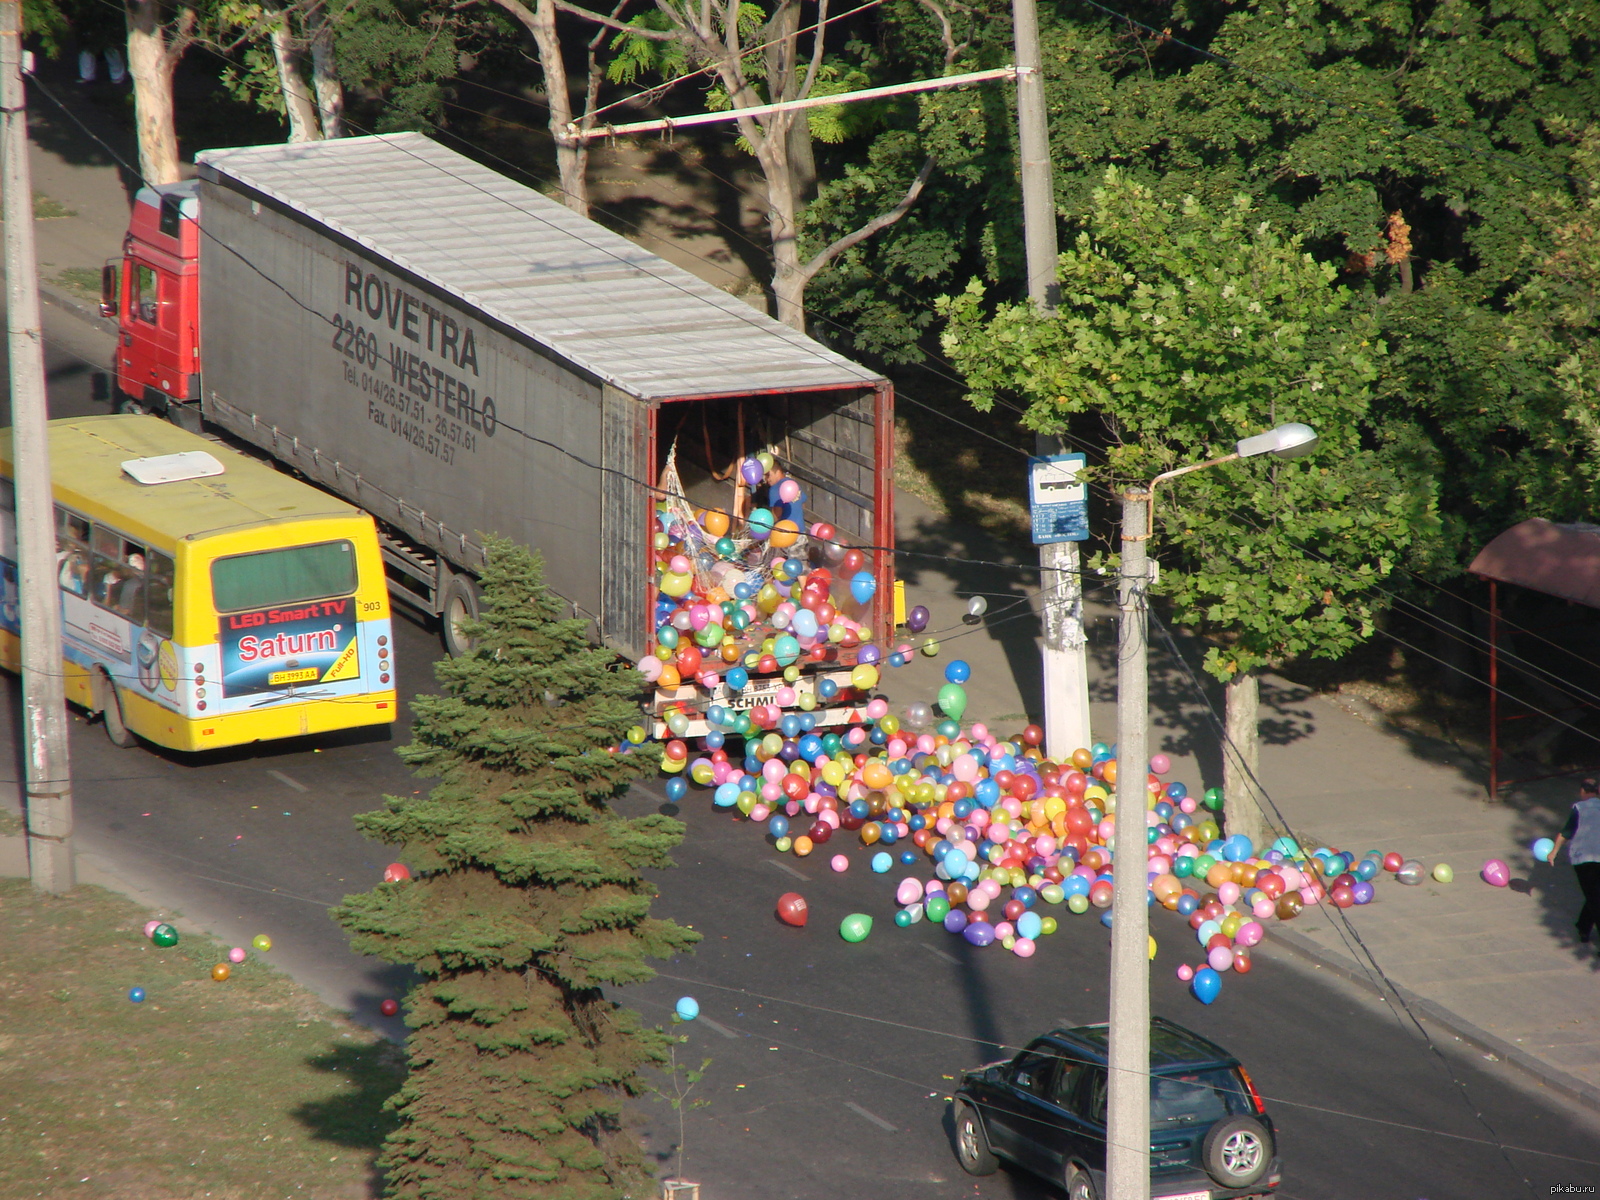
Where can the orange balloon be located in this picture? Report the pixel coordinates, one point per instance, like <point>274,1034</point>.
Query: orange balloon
<point>802,845</point>
<point>220,972</point>
<point>1109,771</point>
<point>715,522</point>
<point>870,832</point>
<point>669,677</point>
<point>876,775</point>
<point>784,534</point>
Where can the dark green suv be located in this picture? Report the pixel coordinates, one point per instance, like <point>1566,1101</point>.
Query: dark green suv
<point>1045,1110</point>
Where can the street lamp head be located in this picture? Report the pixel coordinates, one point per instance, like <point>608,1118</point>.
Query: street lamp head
<point>1286,441</point>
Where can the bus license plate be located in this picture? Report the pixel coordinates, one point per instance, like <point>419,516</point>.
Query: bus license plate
<point>1189,1196</point>
<point>303,675</point>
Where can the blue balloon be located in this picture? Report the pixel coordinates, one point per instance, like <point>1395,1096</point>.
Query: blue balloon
<point>687,1009</point>
<point>726,795</point>
<point>827,689</point>
<point>1105,918</point>
<point>909,858</point>
<point>1541,849</point>
<point>1206,985</point>
<point>881,862</point>
<point>1025,896</point>
<point>1076,885</point>
<point>136,995</point>
<point>779,826</point>
<point>677,788</point>
<point>737,678</point>
<point>1187,903</point>
<point>1030,925</point>
<point>957,671</point>
<point>863,586</point>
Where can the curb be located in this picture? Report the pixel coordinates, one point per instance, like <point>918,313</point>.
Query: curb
<point>88,313</point>
<point>1481,1039</point>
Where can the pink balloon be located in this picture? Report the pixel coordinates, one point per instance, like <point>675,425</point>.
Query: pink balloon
<point>1024,948</point>
<point>1160,764</point>
<point>839,863</point>
<point>760,812</point>
<point>1228,893</point>
<point>788,491</point>
<point>236,955</point>
<point>980,731</point>
<point>830,817</point>
<point>679,565</point>
<point>150,926</point>
<point>1263,909</point>
<point>877,708</point>
<point>909,892</point>
<point>1496,873</point>
<point>1249,933</point>
<point>650,667</point>
<point>1188,804</point>
<point>1220,959</point>
<point>1185,972</point>
<point>785,697</point>
<point>1004,930</point>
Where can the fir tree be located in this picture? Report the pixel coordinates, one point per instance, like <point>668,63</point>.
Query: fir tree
<point>526,904</point>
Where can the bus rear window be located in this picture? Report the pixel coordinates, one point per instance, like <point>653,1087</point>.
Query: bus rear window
<point>273,577</point>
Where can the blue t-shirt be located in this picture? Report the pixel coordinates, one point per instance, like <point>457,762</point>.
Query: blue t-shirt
<point>782,511</point>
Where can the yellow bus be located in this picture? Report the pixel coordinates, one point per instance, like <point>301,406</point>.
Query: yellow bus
<point>207,599</point>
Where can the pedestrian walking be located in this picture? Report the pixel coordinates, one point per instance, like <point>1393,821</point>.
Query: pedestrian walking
<point>1581,836</point>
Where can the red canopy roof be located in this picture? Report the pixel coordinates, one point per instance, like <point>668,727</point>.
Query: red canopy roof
<point>1559,560</point>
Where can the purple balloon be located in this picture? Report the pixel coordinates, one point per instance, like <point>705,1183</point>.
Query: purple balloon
<point>917,619</point>
<point>955,921</point>
<point>1362,893</point>
<point>869,654</point>
<point>751,471</point>
<point>979,933</point>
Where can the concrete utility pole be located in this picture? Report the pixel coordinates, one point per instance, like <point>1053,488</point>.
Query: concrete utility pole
<point>48,788</point>
<point>1066,669</point>
<point>1128,1045</point>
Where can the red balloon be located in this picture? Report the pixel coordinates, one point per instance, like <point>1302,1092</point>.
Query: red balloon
<point>850,822</point>
<point>1023,787</point>
<point>792,909</point>
<point>396,872</point>
<point>1342,896</point>
<point>824,532</point>
<point>1033,735</point>
<point>1392,861</point>
<point>688,660</point>
<point>1242,963</point>
<point>826,613</point>
<point>795,787</point>
<point>854,561</point>
<point>1014,909</point>
<point>767,666</point>
<point>1005,779</point>
<point>1218,939</point>
<point>1271,884</point>
<point>820,832</point>
<point>389,1007</point>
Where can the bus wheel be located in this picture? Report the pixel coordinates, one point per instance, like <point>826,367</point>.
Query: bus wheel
<point>458,603</point>
<point>110,701</point>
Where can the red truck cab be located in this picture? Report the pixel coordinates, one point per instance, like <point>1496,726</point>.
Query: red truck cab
<point>153,291</point>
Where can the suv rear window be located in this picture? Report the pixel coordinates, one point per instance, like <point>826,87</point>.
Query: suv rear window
<point>273,577</point>
<point>1196,1097</point>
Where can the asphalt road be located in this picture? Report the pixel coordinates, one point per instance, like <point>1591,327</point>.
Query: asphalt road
<point>831,1062</point>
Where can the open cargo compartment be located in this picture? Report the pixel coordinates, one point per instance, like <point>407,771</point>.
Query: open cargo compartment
<point>835,444</point>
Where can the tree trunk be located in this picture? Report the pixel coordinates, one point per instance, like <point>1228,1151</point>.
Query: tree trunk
<point>325,74</point>
<point>1244,809</point>
<point>570,159</point>
<point>302,114</point>
<point>151,67</point>
<point>789,277</point>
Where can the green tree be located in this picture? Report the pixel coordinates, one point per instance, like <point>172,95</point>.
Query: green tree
<point>1186,327</point>
<point>526,905</point>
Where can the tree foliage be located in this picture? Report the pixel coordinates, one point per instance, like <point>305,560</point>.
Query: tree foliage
<point>1187,328</point>
<point>527,903</point>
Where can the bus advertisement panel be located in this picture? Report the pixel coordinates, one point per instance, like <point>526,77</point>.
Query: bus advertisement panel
<point>272,648</point>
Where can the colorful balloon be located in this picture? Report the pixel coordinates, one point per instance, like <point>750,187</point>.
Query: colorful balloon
<point>792,909</point>
<point>855,927</point>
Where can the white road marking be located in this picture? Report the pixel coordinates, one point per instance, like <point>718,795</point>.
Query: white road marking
<point>783,866</point>
<point>873,1117</point>
<point>287,782</point>
<point>715,1027</point>
<point>949,958</point>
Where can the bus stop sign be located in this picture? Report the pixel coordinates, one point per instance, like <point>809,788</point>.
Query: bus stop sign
<point>1060,503</point>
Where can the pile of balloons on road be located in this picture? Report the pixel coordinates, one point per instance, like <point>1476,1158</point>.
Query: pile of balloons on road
<point>995,840</point>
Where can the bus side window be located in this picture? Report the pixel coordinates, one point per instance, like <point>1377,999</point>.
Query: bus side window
<point>144,299</point>
<point>158,594</point>
<point>117,576</point>
<point>72,552</point>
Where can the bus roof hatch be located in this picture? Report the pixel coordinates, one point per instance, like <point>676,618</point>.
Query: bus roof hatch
<point>171,468</point>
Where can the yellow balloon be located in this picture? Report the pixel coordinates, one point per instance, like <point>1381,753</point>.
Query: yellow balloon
<point>676,586</point>
<point>864,676</point>
<point>834,773</point>
<point>1152,946</point>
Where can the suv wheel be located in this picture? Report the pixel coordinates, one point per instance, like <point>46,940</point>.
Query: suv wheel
<point>1237,1152</point>
<point>1079,1185</point>
<point>972,1143</point>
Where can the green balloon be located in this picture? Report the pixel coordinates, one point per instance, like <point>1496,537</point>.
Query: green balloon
<point>709,636</point>
<point>855,927</point>
<point>1078,903</point>
<point>164,936</point>
<point>953,700</point>
<point>1213,799</point>
<point>938,909</point>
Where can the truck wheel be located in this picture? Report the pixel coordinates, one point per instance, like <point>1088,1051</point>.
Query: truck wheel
<point>110,701</point>
<point>458,603</point>
<point>1237,1152</point>
<point>972,1143</point>
<point>125,404</point>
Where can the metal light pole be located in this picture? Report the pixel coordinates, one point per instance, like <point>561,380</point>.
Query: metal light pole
<point>1128,1044</point>
<point>1065,655</point>
<point>48,789</point>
